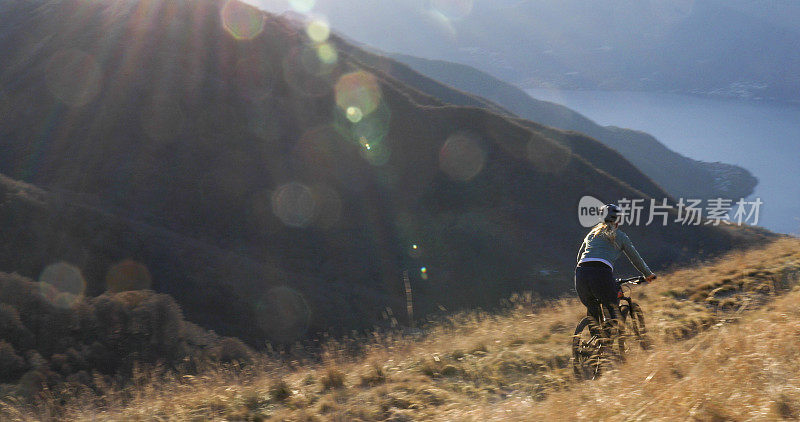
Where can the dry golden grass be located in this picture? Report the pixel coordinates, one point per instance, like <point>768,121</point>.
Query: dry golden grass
<point>727,343</point>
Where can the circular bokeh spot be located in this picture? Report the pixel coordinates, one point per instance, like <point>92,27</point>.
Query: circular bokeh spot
<point>284,314</point>
<point>73,76</point>
<point>242,21</point>
<point>453,9</point>
<point>62,284</point>
<point>327,53</point>
<point>462,157</point>
<point>128,275</point>
<point>548,157</point>
<point>306,73</point>
<point>368,129</point>
<point>354,114</point>
<point>318,30</point>
<point>293,203</point>
<point>358,89</point>
<point>312,63</point>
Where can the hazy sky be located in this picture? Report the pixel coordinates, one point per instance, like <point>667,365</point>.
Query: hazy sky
<point>687,45</point>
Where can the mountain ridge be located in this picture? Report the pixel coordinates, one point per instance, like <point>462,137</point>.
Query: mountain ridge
<point>642,149</point>
<point>741,52</point>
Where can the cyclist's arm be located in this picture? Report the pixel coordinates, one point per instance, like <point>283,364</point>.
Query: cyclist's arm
<point>633,255</point>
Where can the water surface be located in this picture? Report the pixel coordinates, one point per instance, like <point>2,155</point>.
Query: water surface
<point>763,137</point>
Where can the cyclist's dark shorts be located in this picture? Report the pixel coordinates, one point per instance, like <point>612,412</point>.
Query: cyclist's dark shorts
<point>594,282</point>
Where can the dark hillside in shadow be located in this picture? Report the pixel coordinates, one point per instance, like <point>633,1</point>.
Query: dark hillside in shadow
<point>679,175</point>
<point>275,187</point>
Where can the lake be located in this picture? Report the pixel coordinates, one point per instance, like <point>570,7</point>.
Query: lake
<point>763,137</point>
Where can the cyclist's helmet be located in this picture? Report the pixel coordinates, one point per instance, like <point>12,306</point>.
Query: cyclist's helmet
<point>612,213</point>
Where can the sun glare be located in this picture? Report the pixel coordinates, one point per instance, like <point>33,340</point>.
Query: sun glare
<point>242,21</point>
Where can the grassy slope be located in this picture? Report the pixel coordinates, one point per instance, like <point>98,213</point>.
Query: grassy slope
<point>714,359</point>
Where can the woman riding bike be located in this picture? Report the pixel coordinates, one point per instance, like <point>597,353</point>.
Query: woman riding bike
<point>594,277</point>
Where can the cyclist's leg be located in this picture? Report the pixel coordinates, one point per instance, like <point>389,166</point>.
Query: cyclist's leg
<point>615,326</point>
<point>584,278</point>
<point>593,310</point>
<point>606,290</point>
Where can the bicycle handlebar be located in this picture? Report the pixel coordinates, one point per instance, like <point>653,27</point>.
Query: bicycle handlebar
<point>633,280</point>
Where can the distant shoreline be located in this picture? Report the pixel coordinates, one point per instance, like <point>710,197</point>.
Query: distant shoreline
<point>764,135</point>
<point>692,93</point>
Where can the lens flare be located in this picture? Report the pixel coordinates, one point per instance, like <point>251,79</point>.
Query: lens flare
<point>73,77</point>
<point>302,6</point>
<point>306,73</point>
<point>128,275</point>
<point>62,284</point>
<point>312,63</point>
<point>367,131</point>
<point>294,205</point>
<point>376,154</point>
<point>373,128</point>
<point>241,21</point>
<point>354,114</point>
<point>327,53</point>
<point>548,157</point>
<point>284,314</point>
<point>415,251</point>
<point>462,157</point>
<point>445,26</point>
<point>318,30</point>
<point>453,9</point>
<point>358,89</point>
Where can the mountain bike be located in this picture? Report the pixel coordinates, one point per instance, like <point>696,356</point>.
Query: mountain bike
<point>593,343</point>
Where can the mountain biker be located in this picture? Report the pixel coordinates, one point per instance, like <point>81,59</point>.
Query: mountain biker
<point>594,277</point>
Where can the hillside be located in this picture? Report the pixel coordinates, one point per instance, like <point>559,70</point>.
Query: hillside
<point>726,347</point>
<point>681,176</point>
<point>51,336</point>
<point>276,186</point>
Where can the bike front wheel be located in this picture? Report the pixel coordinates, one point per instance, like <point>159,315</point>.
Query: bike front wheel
<point>635,325</point>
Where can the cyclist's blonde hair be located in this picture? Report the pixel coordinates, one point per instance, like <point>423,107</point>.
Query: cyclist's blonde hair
<point>607,229</point>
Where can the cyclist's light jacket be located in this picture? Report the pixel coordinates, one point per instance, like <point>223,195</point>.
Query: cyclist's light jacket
<point>599,248</point>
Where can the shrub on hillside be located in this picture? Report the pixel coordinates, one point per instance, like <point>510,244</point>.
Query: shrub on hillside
<point>11,364</point>
<point>47,342</point>
<point>232,350</point>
